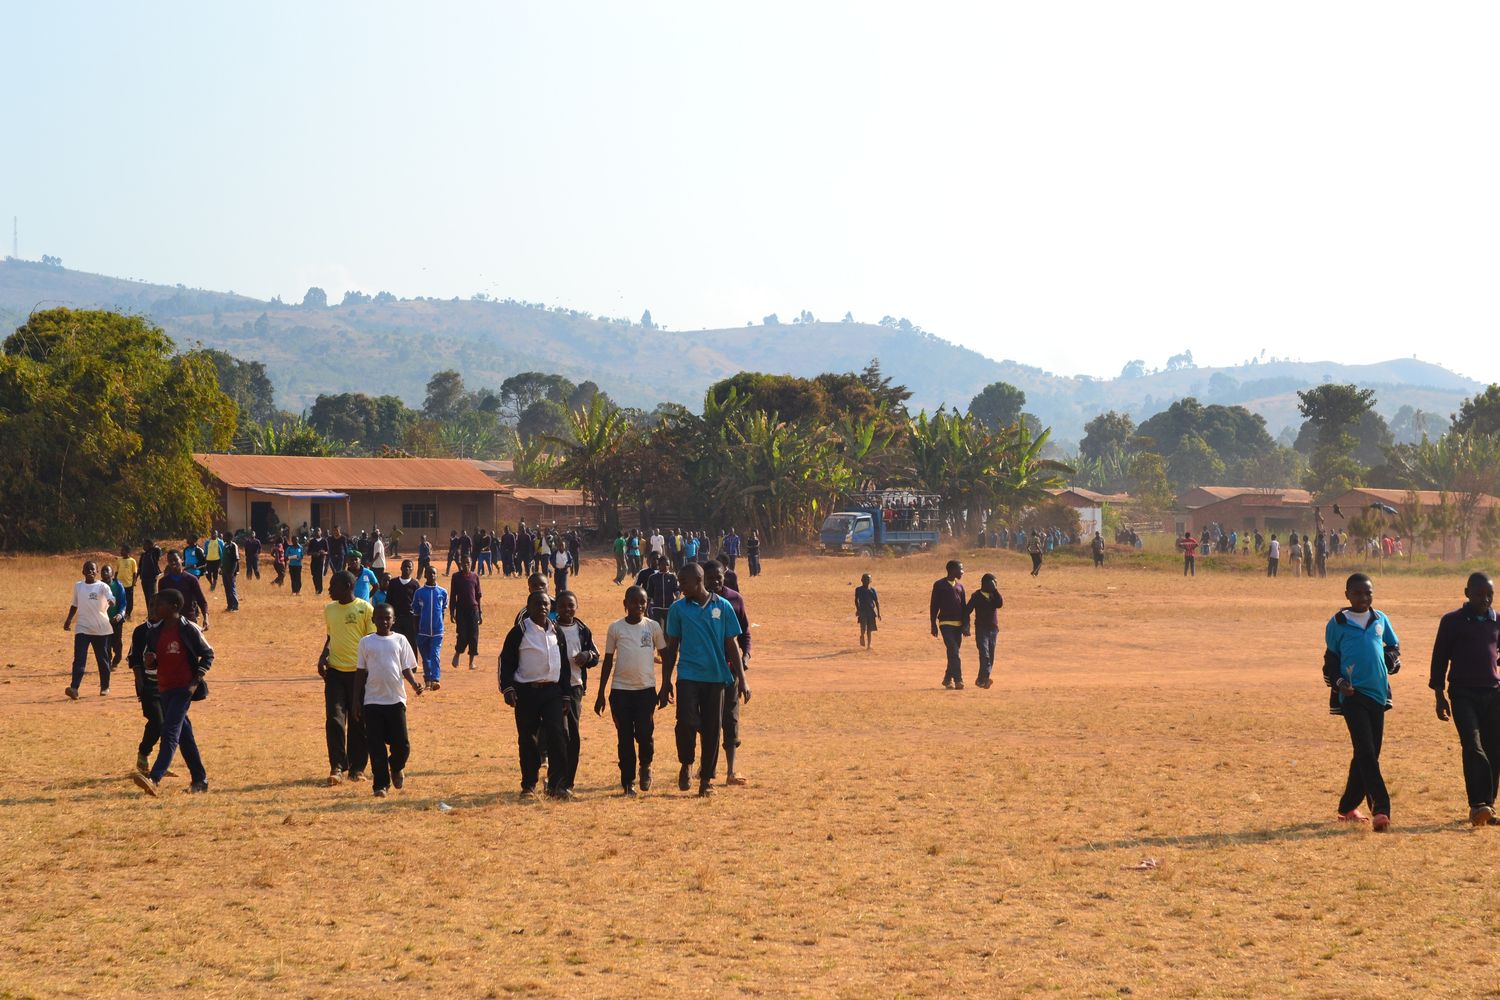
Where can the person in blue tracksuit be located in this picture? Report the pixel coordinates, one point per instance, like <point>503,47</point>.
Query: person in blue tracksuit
<point>430,607</point>
<point>1361,653</point>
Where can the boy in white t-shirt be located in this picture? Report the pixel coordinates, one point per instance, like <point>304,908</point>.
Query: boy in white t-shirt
<point>632,643</point>
<point>385,660</point>
<point>91,600</point>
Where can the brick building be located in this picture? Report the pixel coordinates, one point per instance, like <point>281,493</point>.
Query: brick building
<point>354,493</point>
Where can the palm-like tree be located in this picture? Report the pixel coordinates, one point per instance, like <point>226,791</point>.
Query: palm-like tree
<point>589,457</point>
<point>777,477</point>
<point>531,462</point>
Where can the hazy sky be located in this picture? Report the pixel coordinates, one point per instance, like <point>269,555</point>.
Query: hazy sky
<point>1070,185</point>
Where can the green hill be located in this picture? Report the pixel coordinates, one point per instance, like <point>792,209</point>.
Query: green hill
<point>393,345</point>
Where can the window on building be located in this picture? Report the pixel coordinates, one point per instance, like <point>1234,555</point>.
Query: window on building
<point>419,515</point>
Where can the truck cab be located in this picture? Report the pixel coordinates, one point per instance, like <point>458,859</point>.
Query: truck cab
<point>849,531</point>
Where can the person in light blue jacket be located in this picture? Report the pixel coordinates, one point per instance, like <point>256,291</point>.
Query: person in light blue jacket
<point>430,607</point>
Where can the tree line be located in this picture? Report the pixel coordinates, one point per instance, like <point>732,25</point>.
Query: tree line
<point>100,414</point>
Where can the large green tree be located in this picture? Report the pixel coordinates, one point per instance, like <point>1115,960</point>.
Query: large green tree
<point>99,416</point>
<point>997,405</point>
<point>1232,432</point>
<point>1333,414</point>
<point>247,383</point>
<point>374,422</point>
<point>789,397</point>
<point>1105,433</point>
<point>1479,414</point>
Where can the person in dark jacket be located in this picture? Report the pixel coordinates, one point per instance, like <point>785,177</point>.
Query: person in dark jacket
<point>580,641</point>
<point>195,604</point>
<point>173,656</point>
<point>981,615</point>
<point>398,594</point>
<point>1464,656</point>
<point>950,621</point>
<point>533,681</point>
<point>150,569</point>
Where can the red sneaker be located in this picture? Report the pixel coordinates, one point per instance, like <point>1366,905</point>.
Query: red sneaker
<point>1382,823</point>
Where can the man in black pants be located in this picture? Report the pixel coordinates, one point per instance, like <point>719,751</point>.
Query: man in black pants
<point>150,569</point>
<point>1469,640</point>
<point>533,665</point>
<point>634,641</point>
<point>580,642</point>
<point>316,551</point>
<point>1361,653</point>
<point>701,629</point>
<point>950,620</point>
<point>141,640</point>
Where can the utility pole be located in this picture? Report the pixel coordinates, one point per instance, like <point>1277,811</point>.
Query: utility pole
<point>15,237</point>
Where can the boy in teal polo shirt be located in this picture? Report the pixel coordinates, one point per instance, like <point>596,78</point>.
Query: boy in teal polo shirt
<point>701,629</point>
<point>1361,653</point>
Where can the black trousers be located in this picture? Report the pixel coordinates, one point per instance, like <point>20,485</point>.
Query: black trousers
<point>347,749</point>
<point>99,644</point>
<point>211,570</point>
<point>390,746</point>
<point>317,574</point>
<point>468,630</point>
<point>575,738</point>
<point>148,590</point>
<point>150,709</point>
<point>635,726</point>
<point>296,572</point>
<point>700,710</point>
<point>1189,566</point>
<point>953,641</point>
<point>1366,721</point>
<point>1476,714</point>
<point>729,723</point>
<point>541,710</point>
<point>1036,563</point>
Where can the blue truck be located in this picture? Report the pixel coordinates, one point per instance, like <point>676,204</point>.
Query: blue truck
<point>899,520</point>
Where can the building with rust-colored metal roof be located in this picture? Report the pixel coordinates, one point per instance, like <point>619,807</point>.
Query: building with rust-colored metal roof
<point>394,494</point>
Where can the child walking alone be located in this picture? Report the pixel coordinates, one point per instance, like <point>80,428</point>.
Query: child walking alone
<point>866,611</point>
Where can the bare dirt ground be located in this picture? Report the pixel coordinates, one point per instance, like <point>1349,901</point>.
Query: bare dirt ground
<point>897,839</point>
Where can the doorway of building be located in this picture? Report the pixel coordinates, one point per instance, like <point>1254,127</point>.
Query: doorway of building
<point>260,517</point>
<point>470,519</point>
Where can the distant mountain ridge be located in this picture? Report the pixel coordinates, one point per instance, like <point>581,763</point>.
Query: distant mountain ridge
<point>388,345</point>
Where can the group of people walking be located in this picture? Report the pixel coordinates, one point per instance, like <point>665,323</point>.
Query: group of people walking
<point>955,614</point>
<point>384,639</point>
<point>702,637</point>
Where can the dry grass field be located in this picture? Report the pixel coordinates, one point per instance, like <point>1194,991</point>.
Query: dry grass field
<point>896,840</point>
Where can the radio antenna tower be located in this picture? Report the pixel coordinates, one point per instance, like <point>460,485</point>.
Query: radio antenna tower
<point>15,237</point>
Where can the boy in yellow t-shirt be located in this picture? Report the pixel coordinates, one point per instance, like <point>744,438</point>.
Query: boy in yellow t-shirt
<point>349,619</point>
<point>126,570</point>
